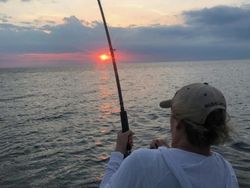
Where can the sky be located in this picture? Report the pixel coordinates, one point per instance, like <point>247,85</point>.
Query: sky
<point>45,32</point>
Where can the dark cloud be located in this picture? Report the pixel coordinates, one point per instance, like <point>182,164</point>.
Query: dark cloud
<point>221,15</point>
<point>222,22</point>
<point>71,36</point>
<point>215,33</point>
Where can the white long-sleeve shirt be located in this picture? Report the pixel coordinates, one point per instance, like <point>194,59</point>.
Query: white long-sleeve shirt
<point>168,167</point>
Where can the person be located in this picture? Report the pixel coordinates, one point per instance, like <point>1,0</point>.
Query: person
<point>198,120</point>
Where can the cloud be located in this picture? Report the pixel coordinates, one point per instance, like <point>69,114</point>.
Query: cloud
<point>4,18</point>
<point>212,33</point>
<point>4,1</point>
<point>217,33</point>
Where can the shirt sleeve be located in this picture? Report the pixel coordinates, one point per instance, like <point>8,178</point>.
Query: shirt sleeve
<point>122,173</point>
<point>114,163</point>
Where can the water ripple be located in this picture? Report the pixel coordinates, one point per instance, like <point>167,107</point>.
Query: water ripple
<point>17,98</point>
<point>241,146</point>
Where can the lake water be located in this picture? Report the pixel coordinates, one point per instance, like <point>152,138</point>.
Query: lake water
<point>58,125</point>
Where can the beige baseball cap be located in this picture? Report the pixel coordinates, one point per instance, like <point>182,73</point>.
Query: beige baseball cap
<point>194,102</point>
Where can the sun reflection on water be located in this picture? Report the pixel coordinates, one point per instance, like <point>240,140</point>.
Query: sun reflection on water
<point>107,91</point>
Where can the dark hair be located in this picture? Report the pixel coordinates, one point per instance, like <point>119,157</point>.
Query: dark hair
<point>215,130</point>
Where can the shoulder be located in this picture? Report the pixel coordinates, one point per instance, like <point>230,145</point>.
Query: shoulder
<point>230,173</point>
<point>224,161</point>
<point>220,159</point>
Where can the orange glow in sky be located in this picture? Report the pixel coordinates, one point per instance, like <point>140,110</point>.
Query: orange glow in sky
<point>104,57</point>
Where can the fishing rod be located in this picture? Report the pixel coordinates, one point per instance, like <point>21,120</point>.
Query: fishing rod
<point>123,113</point>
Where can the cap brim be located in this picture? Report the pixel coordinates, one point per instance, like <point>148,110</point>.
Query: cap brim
<point>166,104</point>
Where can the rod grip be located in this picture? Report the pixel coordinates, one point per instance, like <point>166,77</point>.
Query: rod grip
<point>124,120</point>
<point>125,127</point>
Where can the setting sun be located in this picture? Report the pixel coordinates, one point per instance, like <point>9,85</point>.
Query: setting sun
<point>104,57</point>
